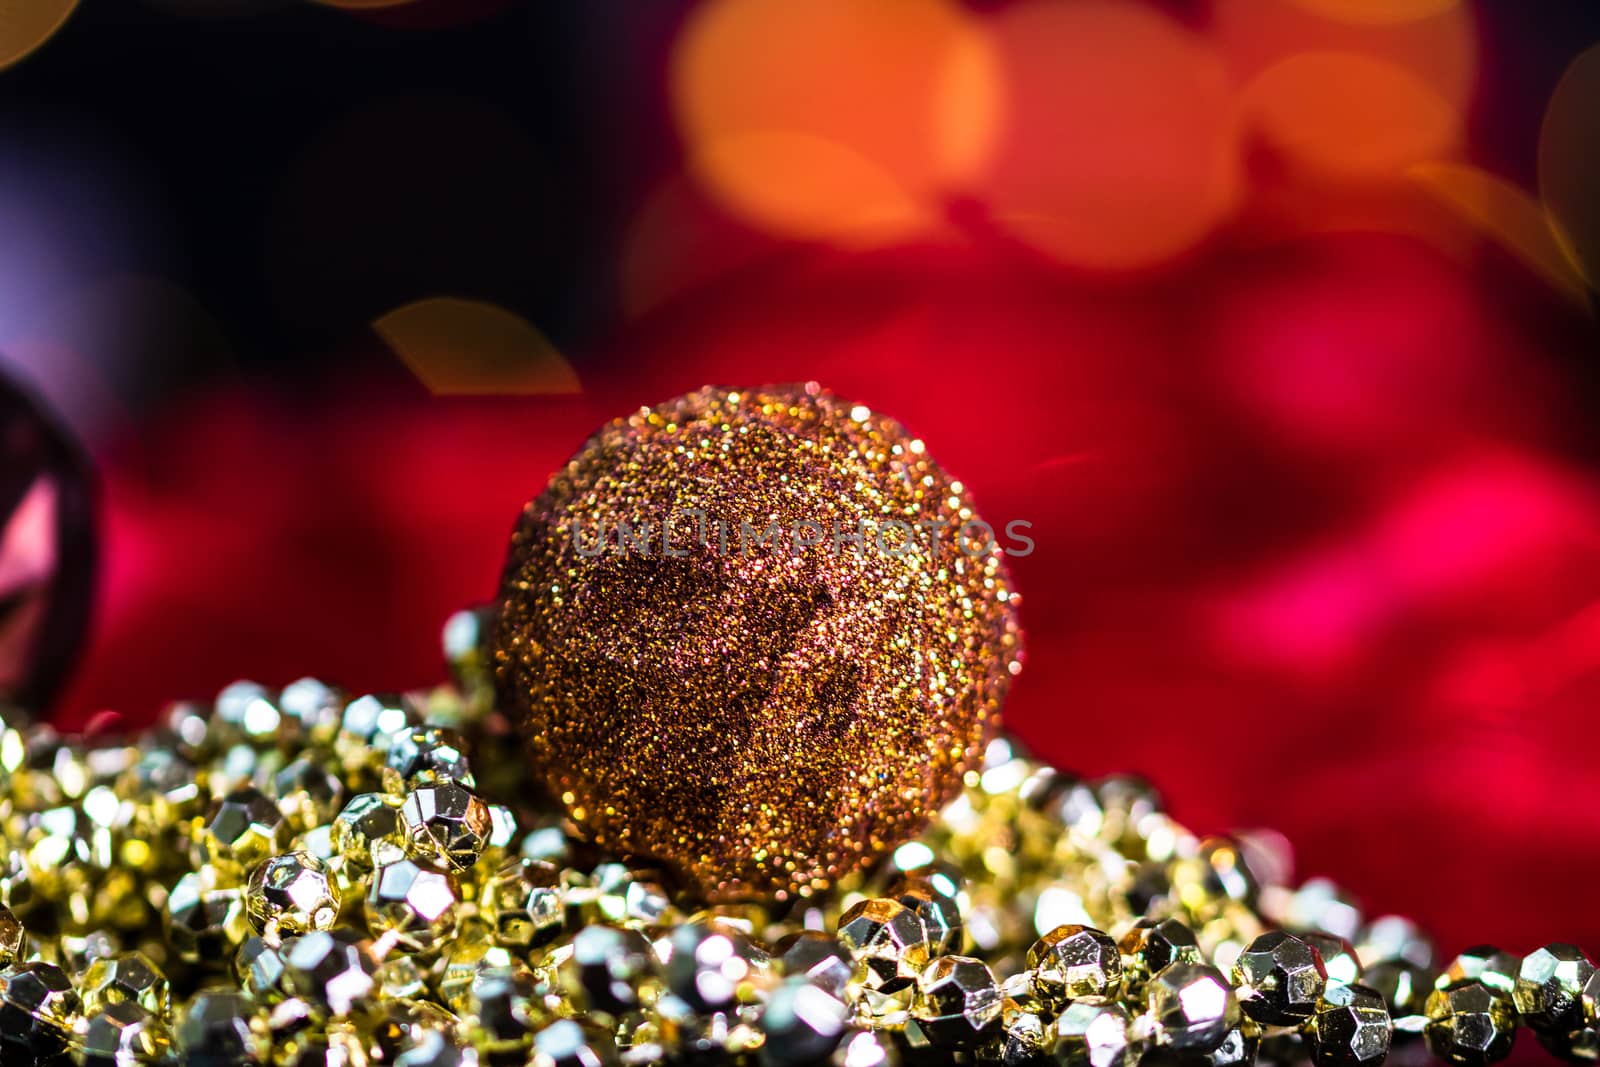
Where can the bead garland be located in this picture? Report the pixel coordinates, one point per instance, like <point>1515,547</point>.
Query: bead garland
<point>298,878</point>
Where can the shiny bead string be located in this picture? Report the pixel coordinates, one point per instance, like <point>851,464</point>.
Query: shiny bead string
<point>298,877</point>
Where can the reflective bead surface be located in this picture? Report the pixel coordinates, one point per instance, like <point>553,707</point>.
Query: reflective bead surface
<point>1153,944</point>
<point>242,829</point>
<point>1192,1007</point>
<point>38,1009</point>
<point>712,968</point>
<point>332,969</point>
<point>938,908</point>
<point>816,957</point>
<point>1470,1023</point>
<point>131,976</point>
<point>222,1030</point>
<point>1339,961</point>
<point>1494,967</point>
<point>887,941</point>
<point>1280,979</point>
<point>1350,1028</point>
<point>803,1023</point>
<point>958,1002</point>
<point>290,894</point>
<point>1092,1032</point>
<point>416,905</point>
<point>124,1034</point>
<point>1549,988</point>
<point>526,903</point>
<point>1074,961</point>
<point>447,823</point>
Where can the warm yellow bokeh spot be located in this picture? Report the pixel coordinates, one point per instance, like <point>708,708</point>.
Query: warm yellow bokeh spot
<point>27,24</point>
<point>1506,213</point>
<point>1121,146</point>
<point>1569,163</point>
<point>1378,12</point>
<point>469,347</point>
<point>834,119</point>
<point>1351,116</point>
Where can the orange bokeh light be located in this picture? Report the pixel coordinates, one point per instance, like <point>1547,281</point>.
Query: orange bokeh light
<point>834,119</point>
<point>1121,144</point>
<point>27,25</point>
<point>1441,50</point>
<point>1351,116</point>
<point>1378,12</point>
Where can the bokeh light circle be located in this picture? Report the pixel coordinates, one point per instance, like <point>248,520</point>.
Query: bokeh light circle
<point>460,347</point>
<point>27,24</point>
<point>1120,148</point>
<point>834,119</point>
<point>1351,116</point>
<point>1378,12</point>
<point>1569,163</point>
<point>1441,50</point>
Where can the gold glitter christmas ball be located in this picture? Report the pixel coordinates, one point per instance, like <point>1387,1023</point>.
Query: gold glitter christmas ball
<point>758,636</point>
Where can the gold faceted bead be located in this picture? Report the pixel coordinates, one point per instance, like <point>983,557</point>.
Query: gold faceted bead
<point>816,957</point>
<point>333,969</point>
<point>124,1033</point>
<point>1028,1032</point>
<point>1404,987</point>
<point>1549,988</point>
<point>446,822</point>
<point>1338,957</point>
<point>308,793</point>
<point>367,832</point>
<point>415,905</point>
<point>291,894</point>
<point>887,942</point>
<point>38,1011</point>
<point>130,976</point>
<point>787,537</point>
<point>958,1002</point>
<point>1470,1023</point>
<point>12,937</point>
<point>525,903</point>
<point>502,1011</point>
<point>713,967</point>
<point>1494,967</point>
<point>258,967</point>
<point>222,1027</point>
<point>1240,1047</point>
<point>241,830</point>
<point>1279,978</point>
<point>1092,1032</point>
<point>1391,937</point>
<point>1074,961</point>
<point>938,908</point>
<point>802,1023</point>
<point>1191,1007</point>
<point>424,755</point>
<point>1152,944</point>
<point>203,922</point>
<point>1350,1028</point>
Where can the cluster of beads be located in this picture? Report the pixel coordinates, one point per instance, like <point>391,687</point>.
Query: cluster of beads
<point>301,878</point>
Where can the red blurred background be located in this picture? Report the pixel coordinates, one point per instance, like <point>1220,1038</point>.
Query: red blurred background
<point>1271,316</point>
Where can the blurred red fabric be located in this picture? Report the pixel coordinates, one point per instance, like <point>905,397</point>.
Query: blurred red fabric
<point>1317,547</point>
